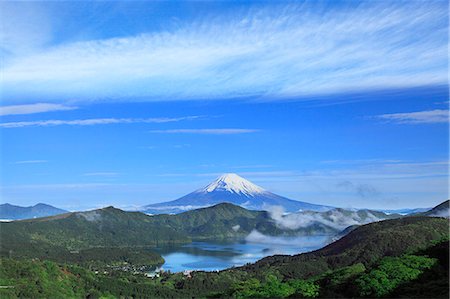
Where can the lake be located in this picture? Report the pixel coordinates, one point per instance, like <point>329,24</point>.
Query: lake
<point>219,255</point>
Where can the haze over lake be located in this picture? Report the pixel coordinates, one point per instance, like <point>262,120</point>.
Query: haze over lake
<point>219,255</point>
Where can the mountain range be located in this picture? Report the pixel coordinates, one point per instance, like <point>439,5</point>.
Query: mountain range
<point>232,188</point>
<point>405,257</point>
<point>12,212</point>
<point>55,237</point>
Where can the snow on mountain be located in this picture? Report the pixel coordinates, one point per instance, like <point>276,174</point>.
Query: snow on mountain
<point>231,182</point>
<point>234,189</point>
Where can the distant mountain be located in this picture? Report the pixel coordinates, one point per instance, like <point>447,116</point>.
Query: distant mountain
<point>233,189</point>
<point>406,211</point>
<point>12,212</point>
<point>441,210</point>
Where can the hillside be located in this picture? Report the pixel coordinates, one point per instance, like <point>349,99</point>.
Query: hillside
<point>385,259</point>
<point>223,220</point>
<point>97,228</point>
<point>441,210</point>
<point>12,212</point>
<point>364,244</point>
<point>402,250</point>
<point>100,237</point>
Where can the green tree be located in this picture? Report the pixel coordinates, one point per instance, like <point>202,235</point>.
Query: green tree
<point>391,272</point>
<point>305,288</point>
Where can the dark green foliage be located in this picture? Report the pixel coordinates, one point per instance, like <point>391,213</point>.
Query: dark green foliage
<point>390,273</point>
<point>433,282</point>
<point>304,288</point>
<point>37,279</point>
<point>339,276</point>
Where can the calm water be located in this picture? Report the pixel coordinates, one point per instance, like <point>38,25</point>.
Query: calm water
<point>210,256</point>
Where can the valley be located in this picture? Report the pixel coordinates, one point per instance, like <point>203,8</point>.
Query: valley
<point>225,250</point>
<point>417,245</point>
<point>58,237</point>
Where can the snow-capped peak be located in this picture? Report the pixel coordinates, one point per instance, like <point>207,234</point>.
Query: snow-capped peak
<point>233,183</point>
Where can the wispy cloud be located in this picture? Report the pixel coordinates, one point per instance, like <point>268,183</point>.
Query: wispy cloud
<point>33,108</point>
<point>30,162</point>
<point>93,121</point>
<point>420,117</point>
<point>108,174</point>
<point>272,52</point>
<point>206,131</point>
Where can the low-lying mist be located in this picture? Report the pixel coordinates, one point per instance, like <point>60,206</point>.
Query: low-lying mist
<point>337,219</point>
<point>304,241</point>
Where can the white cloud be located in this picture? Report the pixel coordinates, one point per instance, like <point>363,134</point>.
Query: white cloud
<point>272,52</point>
<point>420,117</point>
<point>30,162</point>
<point>33,108</point>
<point>93,121</point>
<point>206,131</point>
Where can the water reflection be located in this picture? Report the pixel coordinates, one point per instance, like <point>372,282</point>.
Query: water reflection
<point>219,255</point>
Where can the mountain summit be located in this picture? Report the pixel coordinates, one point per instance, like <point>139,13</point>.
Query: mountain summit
<point>234,189</point>
<point>231,182</point>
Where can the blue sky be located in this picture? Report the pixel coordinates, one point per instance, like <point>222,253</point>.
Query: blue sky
<point>341,103</point>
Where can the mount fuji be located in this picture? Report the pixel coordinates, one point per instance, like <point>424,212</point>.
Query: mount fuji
<point>233,189</point>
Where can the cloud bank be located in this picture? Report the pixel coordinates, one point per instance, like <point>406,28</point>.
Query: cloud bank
<point>272,52</point>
